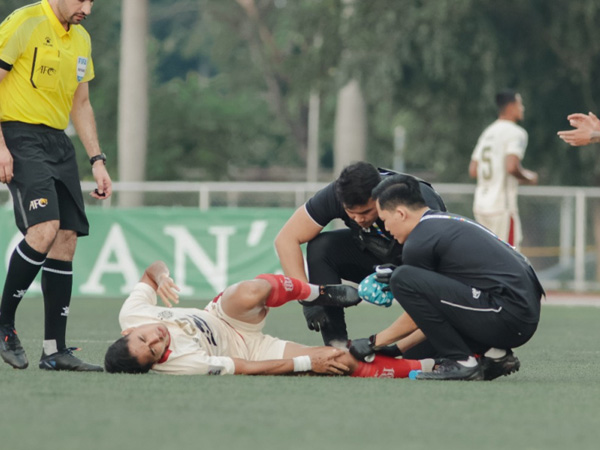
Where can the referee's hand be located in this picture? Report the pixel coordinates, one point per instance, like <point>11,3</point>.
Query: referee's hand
<point>6,165</point>
<point>104,189</point>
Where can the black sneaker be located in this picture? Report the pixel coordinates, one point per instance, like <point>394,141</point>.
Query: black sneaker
<point>340,295</point>
<point>65,360</point>
<point>494,368</point>
<point>449,369</point>
<point>11,350</point>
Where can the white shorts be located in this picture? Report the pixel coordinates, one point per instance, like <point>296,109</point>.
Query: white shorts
<point>506,225</point>
<point>246,340</point>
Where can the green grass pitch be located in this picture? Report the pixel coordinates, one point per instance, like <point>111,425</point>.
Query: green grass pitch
<point>552,403</point>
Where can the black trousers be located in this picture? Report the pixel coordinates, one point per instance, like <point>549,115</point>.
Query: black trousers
<point>331,257</point>
<point>457,320</point>
<point>46,179</point>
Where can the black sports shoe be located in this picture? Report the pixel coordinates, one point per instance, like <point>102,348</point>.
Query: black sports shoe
<point>340,295</point>
<point>494,368</point>
<point>11,350</point>
<point>448,369</point>
<point>65,360</point>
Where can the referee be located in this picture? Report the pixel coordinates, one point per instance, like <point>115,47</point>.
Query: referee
<point>472,295</point>
<point>45,67</point>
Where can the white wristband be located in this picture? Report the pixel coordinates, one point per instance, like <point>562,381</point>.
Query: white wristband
<point>302,363</point>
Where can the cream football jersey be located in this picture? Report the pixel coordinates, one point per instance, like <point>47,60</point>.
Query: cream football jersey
<point>199,340</point>
<point>496,189</point>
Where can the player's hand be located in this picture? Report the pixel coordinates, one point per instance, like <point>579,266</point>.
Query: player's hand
<point>586,129</point>
<point>384,272</point>
<point>168,291</point>
<point>323,360</point>
<point>363,349</point>
<point>6,165</point>
<point>316,317</point>
<point>103,182</point>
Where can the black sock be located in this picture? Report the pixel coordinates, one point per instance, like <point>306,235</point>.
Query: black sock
<point>57,283</point>
<point>25,263</point>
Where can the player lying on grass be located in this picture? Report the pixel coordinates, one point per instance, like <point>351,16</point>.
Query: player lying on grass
<point>226,337</point>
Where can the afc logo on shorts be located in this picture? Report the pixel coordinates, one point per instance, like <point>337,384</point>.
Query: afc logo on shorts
<point>38,203</point>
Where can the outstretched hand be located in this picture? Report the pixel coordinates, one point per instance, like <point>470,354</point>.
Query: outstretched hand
<point>587,130</point>
<point>168,291</point>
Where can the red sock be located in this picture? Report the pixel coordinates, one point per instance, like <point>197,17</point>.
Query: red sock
<point>285,289</point>
<point>386,367</point>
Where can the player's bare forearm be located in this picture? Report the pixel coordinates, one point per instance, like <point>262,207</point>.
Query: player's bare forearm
<point>323,360</point>
<point>401,328</point>
<point>291,260</point>
<point>414,338</point>
<point>299,229</point>
<point>271,367</point>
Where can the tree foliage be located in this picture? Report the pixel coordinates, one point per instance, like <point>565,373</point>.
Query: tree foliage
<point>231,80</point>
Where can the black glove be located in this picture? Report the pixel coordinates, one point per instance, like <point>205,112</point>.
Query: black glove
<point>316,317</point>
<point>383,273</point>
<point>391,350</point>
<point>363,349</point>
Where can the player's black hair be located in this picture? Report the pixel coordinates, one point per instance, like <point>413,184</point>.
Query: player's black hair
<point>355,183</point>
<point>399,190</point>
<point>118,359</point>
<point>505,97</point>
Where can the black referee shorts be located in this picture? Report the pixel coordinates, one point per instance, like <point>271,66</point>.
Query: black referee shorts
<point>46,183</point>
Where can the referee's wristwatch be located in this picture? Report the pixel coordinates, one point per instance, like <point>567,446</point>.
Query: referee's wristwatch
<point>100,157</point>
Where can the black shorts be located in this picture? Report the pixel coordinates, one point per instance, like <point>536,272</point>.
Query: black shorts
<point>46,182</point>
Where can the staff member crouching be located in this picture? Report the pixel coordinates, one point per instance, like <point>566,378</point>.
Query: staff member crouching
<point>473,296</point>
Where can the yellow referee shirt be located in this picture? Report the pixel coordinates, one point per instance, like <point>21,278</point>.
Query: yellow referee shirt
<point>46,63</point>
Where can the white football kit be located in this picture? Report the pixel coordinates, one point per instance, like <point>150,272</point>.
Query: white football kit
<point>495,204</point>
<point>203,342</point>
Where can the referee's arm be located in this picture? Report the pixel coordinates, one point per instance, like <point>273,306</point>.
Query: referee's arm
<point>6,161</point>
<point>82,116</point>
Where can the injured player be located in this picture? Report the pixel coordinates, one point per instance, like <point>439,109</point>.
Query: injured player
<point>226,337</point>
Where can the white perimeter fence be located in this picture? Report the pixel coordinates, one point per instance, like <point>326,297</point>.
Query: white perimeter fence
<point>560,224</point>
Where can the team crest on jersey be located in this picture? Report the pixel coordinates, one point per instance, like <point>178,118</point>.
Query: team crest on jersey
<point>38,203</point>
<point>476,293</point>
<point>165,315</point>
<point>81,67</point>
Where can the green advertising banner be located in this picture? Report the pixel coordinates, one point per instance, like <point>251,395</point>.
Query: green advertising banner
<point>205,250</point>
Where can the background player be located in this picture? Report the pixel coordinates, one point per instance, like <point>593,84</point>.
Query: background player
<point>496,163</point>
